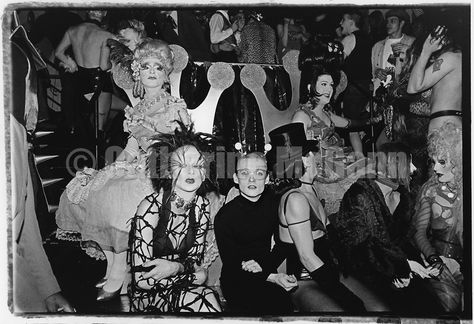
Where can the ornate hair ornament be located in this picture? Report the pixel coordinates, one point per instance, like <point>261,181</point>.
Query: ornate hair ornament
<point>256,15</point>
<point>242,148</point>
<point>152,48</point>
<point>335,47</point>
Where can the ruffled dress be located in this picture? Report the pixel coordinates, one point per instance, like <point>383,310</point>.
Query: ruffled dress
<point>98,204</point>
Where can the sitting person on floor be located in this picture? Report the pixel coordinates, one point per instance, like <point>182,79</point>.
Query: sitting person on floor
<point>439,217</point>
<point>168,231</point>
<point>370,235</point>
<point>244,228</point>
<point>302,219</point>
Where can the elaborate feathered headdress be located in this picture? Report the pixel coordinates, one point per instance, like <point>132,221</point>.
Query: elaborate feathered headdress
<point>165,144</point>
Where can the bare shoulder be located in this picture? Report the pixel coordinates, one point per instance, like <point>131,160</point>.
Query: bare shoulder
<point>297,207</point>
<point>148,204</point>
<point>105,35</point>
<point>451,57</point>
<point>300,116</point>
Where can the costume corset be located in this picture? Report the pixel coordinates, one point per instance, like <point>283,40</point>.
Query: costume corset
<point>318,128</point>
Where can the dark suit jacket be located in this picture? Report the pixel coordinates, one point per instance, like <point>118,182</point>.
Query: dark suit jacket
<point>191,36</point>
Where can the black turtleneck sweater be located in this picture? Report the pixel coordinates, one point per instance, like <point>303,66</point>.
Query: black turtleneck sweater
<point>243,232</point>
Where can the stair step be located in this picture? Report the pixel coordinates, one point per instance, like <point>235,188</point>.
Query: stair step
<point>52,208</point>
<point>43,133</point>
<point>43,158</point>
<point>48,182</point>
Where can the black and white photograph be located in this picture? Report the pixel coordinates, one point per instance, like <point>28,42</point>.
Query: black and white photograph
<point>276,161</point>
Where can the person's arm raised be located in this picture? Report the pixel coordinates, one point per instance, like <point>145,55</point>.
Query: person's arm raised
<point>422,77</point>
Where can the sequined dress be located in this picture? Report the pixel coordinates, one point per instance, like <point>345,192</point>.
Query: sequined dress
<point>98,204</point>
<point>336,173</point>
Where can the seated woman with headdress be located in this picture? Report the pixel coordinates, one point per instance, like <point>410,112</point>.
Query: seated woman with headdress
<point>98,204</point>
<point>321,77</point>
<point>438,219</point>
<point>168,231</point>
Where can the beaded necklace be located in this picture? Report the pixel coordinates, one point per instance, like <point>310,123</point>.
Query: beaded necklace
<point>146,104</point>
<point>181,203</point>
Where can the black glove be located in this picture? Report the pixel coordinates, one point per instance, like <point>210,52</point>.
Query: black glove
<point>328,279</point>
<point>360,124</point>
<point>436,262</point>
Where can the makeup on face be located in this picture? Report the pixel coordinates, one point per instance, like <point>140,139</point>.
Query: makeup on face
<point>187,169</point>
<point>324,87</point>
<point>152,73</point>
<point>443,169</point>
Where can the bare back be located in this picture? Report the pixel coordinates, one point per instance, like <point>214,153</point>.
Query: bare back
<point>447,92</point>
<point>87,40</point>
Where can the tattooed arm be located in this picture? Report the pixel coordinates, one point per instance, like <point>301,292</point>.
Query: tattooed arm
<point>421,78</point>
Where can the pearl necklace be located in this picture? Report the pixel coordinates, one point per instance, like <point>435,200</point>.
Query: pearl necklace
<point>145,104</point>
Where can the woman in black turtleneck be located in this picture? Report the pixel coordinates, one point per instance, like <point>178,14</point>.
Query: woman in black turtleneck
<point>244,228</point>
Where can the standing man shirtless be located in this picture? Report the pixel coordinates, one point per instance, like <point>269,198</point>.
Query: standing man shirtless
<point>87,41</point>
<point>444,75</point>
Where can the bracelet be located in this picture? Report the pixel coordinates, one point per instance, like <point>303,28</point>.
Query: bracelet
<point>434,258</point>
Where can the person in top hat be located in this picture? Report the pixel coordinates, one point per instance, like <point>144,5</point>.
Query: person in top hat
<point>303,222</point>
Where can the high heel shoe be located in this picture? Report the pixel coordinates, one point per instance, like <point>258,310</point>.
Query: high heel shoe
<point>103,295</point>
<point>101,283</point>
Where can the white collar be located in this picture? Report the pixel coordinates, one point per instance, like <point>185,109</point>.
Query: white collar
<point>386,190</point>
<point>174,14</point>
<point>396,39</point>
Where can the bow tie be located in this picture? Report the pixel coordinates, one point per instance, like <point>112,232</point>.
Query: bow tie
<point>171,22</point>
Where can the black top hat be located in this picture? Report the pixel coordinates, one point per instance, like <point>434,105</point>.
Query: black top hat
<point>292,135</point>
<point>289,145</point>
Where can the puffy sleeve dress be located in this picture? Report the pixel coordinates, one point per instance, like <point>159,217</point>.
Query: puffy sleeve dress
<point>98,204</point>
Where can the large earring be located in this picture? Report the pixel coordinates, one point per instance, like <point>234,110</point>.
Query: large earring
<point>138,89</point>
